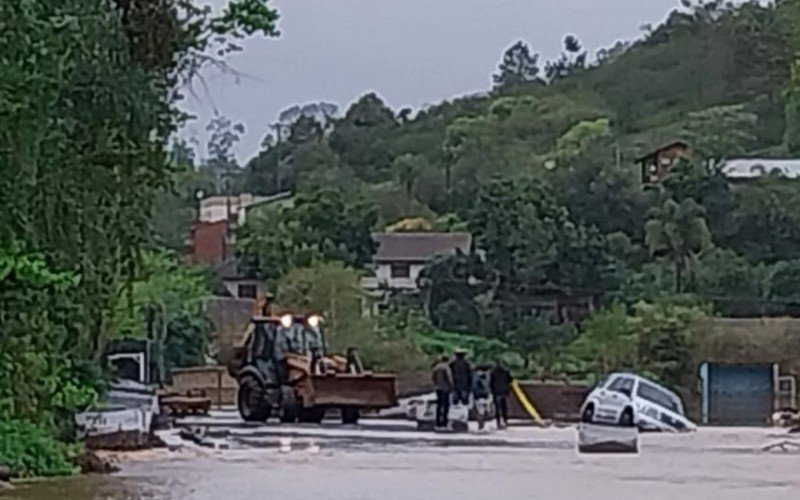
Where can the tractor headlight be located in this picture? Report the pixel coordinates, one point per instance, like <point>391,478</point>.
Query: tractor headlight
<point>314,321</point>
<point>286,320</point>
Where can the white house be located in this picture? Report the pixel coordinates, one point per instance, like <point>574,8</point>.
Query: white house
<point>400,257</point>
<point>753,168</point>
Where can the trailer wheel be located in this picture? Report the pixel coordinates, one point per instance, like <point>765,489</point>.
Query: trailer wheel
<point>313,415</point>
<point>350,415</point>
<point>251,400</point>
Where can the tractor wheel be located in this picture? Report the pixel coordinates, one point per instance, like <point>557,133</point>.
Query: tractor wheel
<point>290,407</point>
<point>313,415</point>
<point>251,400</point>
<point>350,415</point>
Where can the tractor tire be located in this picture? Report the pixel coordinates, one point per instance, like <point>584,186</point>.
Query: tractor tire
<point>313,415</point>
<point>350,415</point>
<point>290,407</point>
<point>251,400</point>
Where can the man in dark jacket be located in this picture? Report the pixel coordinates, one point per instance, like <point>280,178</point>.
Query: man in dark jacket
<point>500,383</point>
<point>462,377</point>
<point>443,382</point>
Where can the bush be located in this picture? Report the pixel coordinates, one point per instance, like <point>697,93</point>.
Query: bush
<point>29,450</point>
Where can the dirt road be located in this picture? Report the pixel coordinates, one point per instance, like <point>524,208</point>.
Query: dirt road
<point>390,461</point>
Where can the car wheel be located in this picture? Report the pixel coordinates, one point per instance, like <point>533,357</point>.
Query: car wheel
<point>626,419</point>
<point>251,400</point>
<point>588,414</point>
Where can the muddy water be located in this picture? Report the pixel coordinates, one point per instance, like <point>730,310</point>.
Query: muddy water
<point>91,488</point>
<point>729,464</point>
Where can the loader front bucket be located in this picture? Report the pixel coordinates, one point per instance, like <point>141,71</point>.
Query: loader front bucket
<point>369,391</point>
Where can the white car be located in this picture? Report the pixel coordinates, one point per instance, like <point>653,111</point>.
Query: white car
<point>630,400</point>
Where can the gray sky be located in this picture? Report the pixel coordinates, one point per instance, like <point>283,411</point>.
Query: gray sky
<point>411,52</point>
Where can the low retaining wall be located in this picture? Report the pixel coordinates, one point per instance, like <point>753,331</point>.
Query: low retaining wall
<point>554,401</point>
<point>212,382</point>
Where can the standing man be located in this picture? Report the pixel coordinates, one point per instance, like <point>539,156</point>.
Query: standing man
<point>480,395</point>
<point>500,382</point>
<point>462,377</point>
<point>443,382</point>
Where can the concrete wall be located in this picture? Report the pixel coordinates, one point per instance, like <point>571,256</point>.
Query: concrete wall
<point>230,318</point>
<point>212,382</point>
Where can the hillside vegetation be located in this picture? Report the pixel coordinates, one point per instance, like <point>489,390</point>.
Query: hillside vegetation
<point>541,170</point>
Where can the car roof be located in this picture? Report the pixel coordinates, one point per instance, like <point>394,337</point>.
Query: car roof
<point>645,379</point>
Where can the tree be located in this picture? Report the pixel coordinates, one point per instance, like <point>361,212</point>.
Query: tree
<point>653,338</point>
<point>408,167</point>
<point>452,287</point>
<point>721,132</point>
<point>709,188</point>
<point>666,334</point>
<point>580,137</point>
<point>334,291</point>
<point>784,286</point>
<point>766,220</point>
<point>88,104</point>
<point>572,60</point>
<point>221,163</point>
<point>678,233</point>
<point>539,342</point>
<point>519,67</point>
<point>173,294</point>
<point>320,226</point>
<point>517,225</point>
<point>361,137</point>
<point>607,342</point>
<point>735,287</point>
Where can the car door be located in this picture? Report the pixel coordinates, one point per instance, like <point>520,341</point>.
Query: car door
<point>618,397</point>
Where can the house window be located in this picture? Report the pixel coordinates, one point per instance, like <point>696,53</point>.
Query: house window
<point>401,271</point>
<point>247,291</point>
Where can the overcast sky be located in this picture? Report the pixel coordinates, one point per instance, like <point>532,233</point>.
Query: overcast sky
<point>411,52</point>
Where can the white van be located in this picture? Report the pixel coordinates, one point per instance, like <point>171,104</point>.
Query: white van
<point>631,400</point>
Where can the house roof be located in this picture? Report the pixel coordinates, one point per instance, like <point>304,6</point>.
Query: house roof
<point>751,168</point>
<point>419,247</point>
<point>665,147</point>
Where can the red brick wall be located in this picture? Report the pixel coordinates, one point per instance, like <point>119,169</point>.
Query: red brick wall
<point>207,242</point>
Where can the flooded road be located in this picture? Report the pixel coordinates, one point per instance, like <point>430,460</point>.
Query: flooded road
<point>394,462</point>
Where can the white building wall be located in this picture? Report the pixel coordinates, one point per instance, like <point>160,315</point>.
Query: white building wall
<point>383,276</point>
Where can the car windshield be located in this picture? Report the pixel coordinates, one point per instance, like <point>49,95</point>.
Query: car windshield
<point>661,397</point>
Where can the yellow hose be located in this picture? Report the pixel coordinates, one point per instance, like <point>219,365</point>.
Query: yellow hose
<point>526,403</point>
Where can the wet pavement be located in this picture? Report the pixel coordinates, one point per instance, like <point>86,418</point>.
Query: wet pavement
<point>391,460</point>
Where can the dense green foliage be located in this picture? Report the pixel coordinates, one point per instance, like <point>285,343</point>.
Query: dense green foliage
<point>30,450</point>
<point>88,101</point>
<point>334,291</point>
<point>542,172</point>
<point>168,297</point>
<point>319,226</point>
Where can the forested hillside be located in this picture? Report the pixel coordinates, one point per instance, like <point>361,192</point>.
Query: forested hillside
<point>541,170</point>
